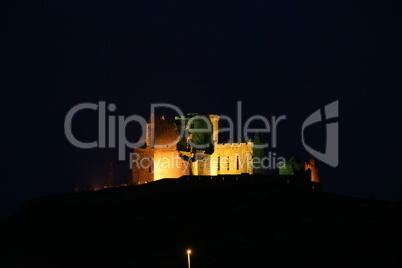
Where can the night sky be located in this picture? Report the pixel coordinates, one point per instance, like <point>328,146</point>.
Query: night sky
<point>277,57</point>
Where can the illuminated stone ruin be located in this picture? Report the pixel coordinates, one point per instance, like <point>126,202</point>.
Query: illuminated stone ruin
<point>314,171</point>
<point>197,153</point>
<point>295,166</point>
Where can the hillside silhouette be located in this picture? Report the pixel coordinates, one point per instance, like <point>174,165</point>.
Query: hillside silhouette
<point>226,223</point>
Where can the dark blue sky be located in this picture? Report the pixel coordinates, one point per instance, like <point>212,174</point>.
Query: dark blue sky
<point>277,57</point>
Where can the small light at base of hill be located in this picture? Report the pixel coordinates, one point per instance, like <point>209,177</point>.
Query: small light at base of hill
<point>188,257</point>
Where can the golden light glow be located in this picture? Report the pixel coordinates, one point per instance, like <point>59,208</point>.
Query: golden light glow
<point>189,251</point>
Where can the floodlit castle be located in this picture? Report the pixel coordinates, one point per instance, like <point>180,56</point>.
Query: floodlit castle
<point>198,152</point>
<point>190,146</point>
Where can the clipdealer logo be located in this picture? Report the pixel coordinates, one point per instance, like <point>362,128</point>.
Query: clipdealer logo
<point>331,155</point>
<point>107,125</point>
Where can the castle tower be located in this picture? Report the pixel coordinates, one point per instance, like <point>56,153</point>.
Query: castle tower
<point>215,127</point>
<point>160,157</point>
<point>314,171</point>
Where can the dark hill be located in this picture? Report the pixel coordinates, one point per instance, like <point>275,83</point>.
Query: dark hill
<point>226,223</point>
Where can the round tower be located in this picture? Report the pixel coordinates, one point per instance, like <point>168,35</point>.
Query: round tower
<point>215,127</point>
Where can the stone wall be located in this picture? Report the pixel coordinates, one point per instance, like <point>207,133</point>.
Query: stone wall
<point>229,158</point>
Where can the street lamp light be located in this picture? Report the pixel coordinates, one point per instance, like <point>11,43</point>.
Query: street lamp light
<point>188,257</point>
